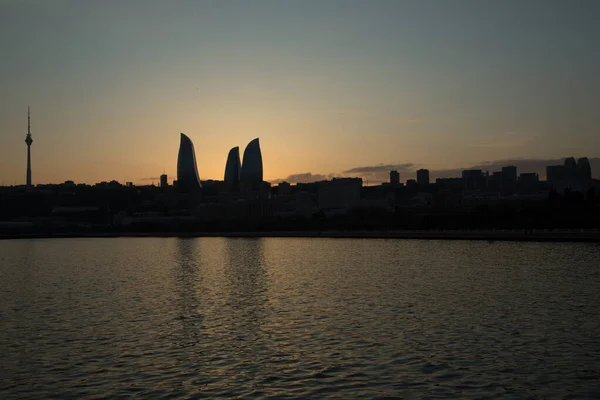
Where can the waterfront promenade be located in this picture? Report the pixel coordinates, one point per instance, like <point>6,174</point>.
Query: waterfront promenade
<point>556,235</point>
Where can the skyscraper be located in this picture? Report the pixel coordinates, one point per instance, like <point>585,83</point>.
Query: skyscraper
<point>572,175</point>
<point>509,179</point>
<point>251,175</point>
<point>528,182</point>
<point>29,141</point>
<point>164,181</point>
<point>188,180</point>
<point>473,179</point>
<point>232,169</point>
<point>394,178</point>
<point>585,171</point>
<point>423,177</point>
<point>570,171</point>
<point>510,172</point>
<point>570,163</point>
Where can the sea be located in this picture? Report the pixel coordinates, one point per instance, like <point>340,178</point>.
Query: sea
<point>297,318</point>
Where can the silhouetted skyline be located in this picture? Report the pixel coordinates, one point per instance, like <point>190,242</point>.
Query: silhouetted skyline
<point>328,86</point>
<point>376,174</point>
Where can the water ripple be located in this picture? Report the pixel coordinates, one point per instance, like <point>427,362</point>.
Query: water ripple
<point>298,318</point>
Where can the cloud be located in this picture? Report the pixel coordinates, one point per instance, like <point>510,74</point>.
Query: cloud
<point>304,177</point>
<point>380,172</point>
<point>379,168</point>
<point>150,179</point>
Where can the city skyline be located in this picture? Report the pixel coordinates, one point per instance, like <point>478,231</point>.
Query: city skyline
<point>332,89</point>
<point>375,174</point>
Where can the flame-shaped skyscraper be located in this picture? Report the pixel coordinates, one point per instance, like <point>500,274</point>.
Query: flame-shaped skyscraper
<point>251,175</point>
<point>232,169</point>
<point>188,179</point>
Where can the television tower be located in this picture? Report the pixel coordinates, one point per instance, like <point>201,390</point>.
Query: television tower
<point>28,140</point>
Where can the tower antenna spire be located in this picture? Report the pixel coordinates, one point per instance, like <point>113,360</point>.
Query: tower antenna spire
<point>28,141</point>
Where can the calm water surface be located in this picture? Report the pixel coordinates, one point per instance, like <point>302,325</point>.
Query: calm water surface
<point>298,318</point>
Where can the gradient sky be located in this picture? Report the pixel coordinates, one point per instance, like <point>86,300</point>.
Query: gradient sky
<point>327,85</point>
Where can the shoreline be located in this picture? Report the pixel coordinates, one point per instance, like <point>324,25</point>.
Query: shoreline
<point>487,235</point>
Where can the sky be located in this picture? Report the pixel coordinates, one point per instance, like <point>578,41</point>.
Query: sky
<point>331,87</point>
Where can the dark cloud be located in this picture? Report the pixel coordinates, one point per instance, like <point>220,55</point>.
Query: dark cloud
<point>150,179</point>
<point>381,168</point>
<point>305,177</point>
<point>381,172</point>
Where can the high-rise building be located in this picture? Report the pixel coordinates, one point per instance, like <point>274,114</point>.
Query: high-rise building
<point>251,174</point>
<point>572,175</point>
<point>394,178</point>
<point>473,179</point>
<point>585,171</point>
<point>570,163</point>
<point>29,141</point>
<point>510,172</point>
<point>232,169</point>
<point>571,171</point>
<point>188,180</point>
<point>495,182</point>
<point>164,182</point>
<point>509,179</point>
<point>528,182</point>
<point>423,177</point>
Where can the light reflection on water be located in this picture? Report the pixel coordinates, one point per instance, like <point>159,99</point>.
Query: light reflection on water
<point>297,318</point>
